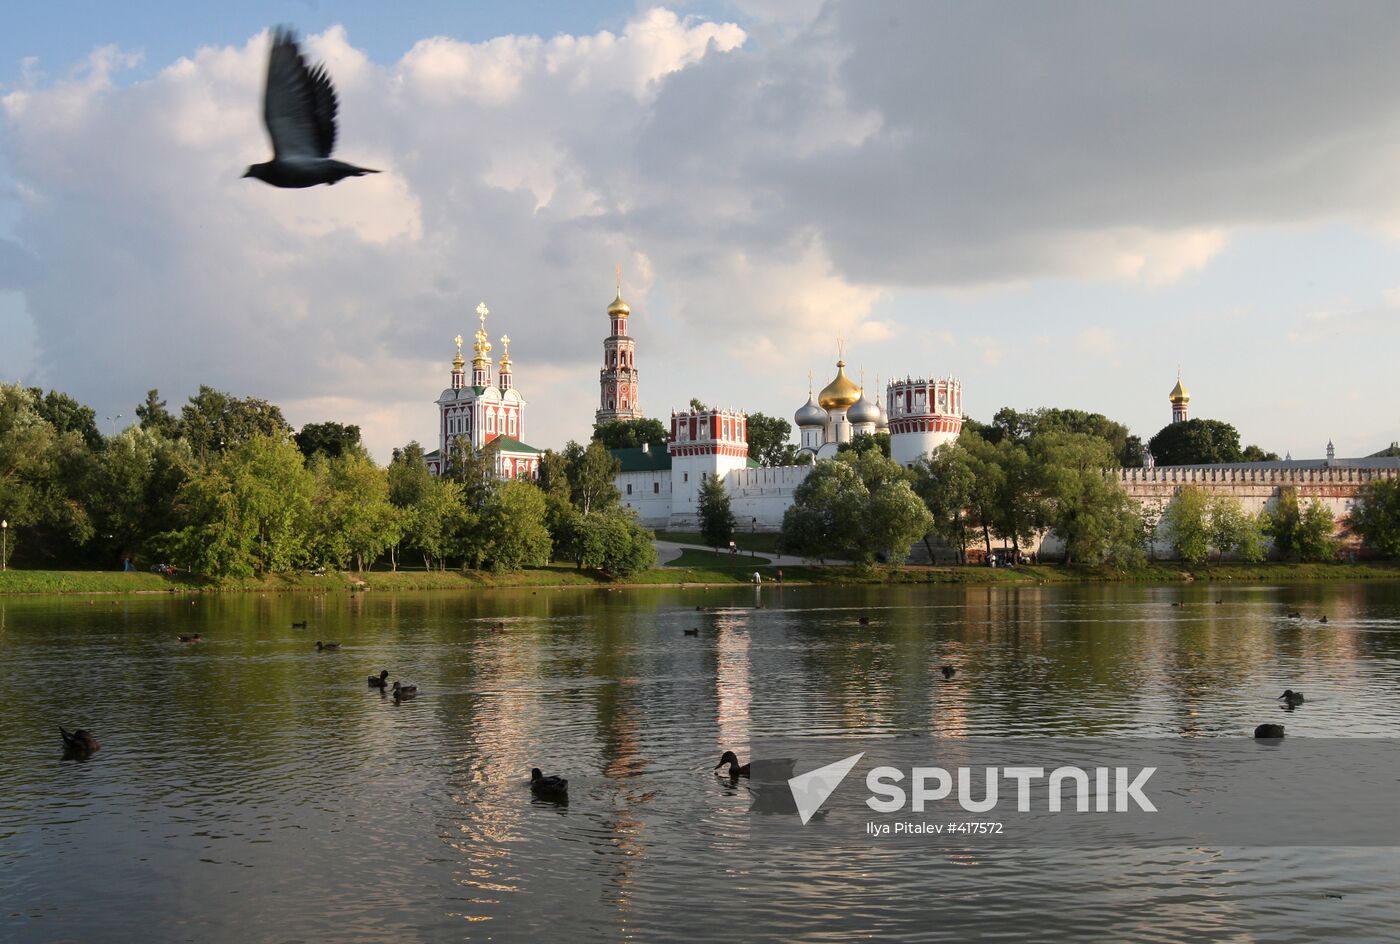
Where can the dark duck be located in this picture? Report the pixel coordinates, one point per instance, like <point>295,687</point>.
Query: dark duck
<point>79,741</point>
<point>381,680</point>
<point>736,769</point>
<point>550,788</point>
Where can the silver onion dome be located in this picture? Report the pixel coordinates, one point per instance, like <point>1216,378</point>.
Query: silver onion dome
<point>863,411</point>
<point>810,414</point>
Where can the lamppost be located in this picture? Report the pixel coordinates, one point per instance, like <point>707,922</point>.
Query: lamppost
<point>113,421</point>
<point>4,544</point>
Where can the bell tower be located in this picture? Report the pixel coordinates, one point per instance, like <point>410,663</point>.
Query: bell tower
<point>617,381</point>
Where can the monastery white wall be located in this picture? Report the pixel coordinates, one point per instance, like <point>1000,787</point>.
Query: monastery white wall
<point>649,494</point>
<point>759,497</point>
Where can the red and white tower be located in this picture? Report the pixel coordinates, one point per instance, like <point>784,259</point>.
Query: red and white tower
<point>923,415</point>
<point>704,443</point>
<point>617,380</point>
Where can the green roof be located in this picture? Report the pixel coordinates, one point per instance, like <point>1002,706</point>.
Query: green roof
<point>641,460</point>
<point>506,444</point>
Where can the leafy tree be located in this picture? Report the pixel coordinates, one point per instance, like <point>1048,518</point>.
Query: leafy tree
<point>249,512</point>
<point>1300,533</point>
<point>631,434</point>
<point>945,480</point>
<point>610,541</point>
<point>515,520</point>
<point>895,519</point>
<point>155,417</point>
<point>474,470</point>
<point>41,476</point>
<point>1187,525</point>
<point>1196,442</point>
<point>1375,516</point>
<point>1092,514</point>
<point>592,474</point>
<point>435,520</point>
<point>826,512</point>
<point>133,486</point>
<point>1234,531</point>
<point>214,421</point>
<point>867,442</point>
<point>716,517</point>
<point>1011,424</point>
<point>67,415</point>
<point>768,438</point>
<point>354,519</point>
<point>1256,454</point>
<point>697,405</point>
<point>327,439</point>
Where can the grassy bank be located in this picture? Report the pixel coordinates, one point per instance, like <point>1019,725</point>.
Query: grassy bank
<point>700,568</point>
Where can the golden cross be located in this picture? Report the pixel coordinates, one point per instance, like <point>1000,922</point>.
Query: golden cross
<point>618,269</point>
<point>505,345</point>
<point>809,383</point>
<point>481,312</point>
<point>840,348</point>
<point>458,339</point>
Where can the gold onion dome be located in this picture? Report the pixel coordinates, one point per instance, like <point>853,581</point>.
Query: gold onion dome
<point>1179,394</point>
<point>841,392</point>
<point>618,306</point>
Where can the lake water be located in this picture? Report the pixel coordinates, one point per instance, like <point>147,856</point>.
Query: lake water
<point>250,788</point>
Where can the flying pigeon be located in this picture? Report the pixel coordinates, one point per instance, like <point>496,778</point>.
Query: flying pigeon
<point>299,109</point>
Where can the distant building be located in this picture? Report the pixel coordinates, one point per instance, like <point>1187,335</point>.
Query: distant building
<point>617,381</point>
<point>1179,399</point>
<point>484,414</point>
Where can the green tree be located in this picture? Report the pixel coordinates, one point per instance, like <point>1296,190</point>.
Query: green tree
<point>435,520</point>
<point>945,480</point>
<point>1298,532</point>
<point>1196,442</point>
<point>354,518</point>
<point>1187,525</point>
<point>895,519</point>
<point>133,487</point>
<point>697,405</point>
<point>515,519</point>
<point>867,442</point>
<point>1256,454</point>
<point>67,415</point>
<point>610,541</point>
<point>1091,513</point>
<point>155,417</point>
<point>826,513</point>
<point>769,440</point>
<point>592,475</point>
<point>1375,516</point>
<point>1011,424</point>
<point>1234,532</point>
<point>327,439</point>
<point>41,477</point>
<point>214,421</point>
<point>631,434</point>
<point>249,512</point>
<point>716,517</point>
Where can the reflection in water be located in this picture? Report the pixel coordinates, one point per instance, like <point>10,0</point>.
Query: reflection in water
<point>251,773</point>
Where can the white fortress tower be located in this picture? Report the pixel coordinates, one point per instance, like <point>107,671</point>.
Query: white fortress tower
<point>923,415</point>
<point>703,443</point>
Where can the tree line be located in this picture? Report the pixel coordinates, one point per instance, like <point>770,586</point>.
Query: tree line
<point>226,487</point>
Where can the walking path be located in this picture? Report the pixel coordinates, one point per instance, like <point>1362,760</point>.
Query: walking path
<point>667,551</point>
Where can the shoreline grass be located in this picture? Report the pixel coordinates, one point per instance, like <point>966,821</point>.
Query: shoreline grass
<point>702,570</point>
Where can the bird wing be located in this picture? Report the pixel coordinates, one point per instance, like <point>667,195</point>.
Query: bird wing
<point>299,104</point>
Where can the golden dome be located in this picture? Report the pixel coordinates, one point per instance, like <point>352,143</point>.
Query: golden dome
<point>618,306</point>
<point>841,392</point>
<point>1179,394</point>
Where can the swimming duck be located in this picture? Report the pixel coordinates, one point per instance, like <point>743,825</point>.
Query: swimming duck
<point>194,637</point>
<point>79,741</point>
<point>1322,619</point>
<point>1178,603</point>
<point>1295,615</point>
<point>301,625</point>
<point>321,646</point>
<point>380,680</point>
<point>1268,731</point>
<point>735,768</point>
<point>1291,697</point>
<point>550,787</point>
<point>695,631</point>
<point>405,691</point>
<point>865,621</point>
<point>949,671</point>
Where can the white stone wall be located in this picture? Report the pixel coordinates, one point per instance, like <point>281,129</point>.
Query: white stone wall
<point>650,496</point>
<point>759,497</point>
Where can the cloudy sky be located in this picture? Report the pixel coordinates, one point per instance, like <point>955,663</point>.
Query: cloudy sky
<point>1059,203</point>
